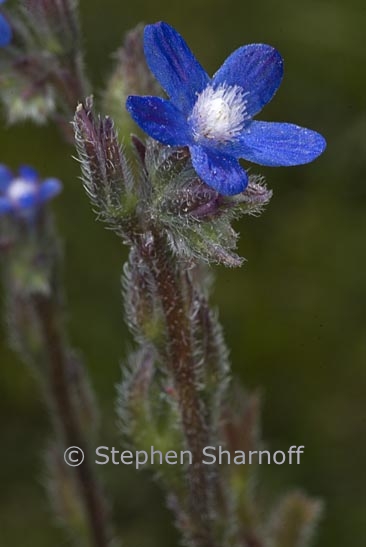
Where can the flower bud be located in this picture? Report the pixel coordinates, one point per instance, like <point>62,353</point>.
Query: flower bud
<point>294,521</point>
<point>196,217</point>
<point>106,175</point>
<point>42,73</point>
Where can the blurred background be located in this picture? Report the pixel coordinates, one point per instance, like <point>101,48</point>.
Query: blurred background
<point>294,315</point>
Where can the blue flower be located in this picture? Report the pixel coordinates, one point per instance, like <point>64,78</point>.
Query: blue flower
<point>213,116</point>
<point>5,30</point>
<point>23,194</point>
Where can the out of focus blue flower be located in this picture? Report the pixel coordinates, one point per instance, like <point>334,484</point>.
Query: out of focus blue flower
<point>5,30</point>
<point>213,116</point>
<point>24,193</point>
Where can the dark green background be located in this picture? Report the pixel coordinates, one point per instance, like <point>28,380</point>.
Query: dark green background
<point>294,315</point>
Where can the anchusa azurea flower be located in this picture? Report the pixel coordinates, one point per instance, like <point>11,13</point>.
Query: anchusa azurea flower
<point>24,193</point>
<point>5,30</point>
<point>214,116</point>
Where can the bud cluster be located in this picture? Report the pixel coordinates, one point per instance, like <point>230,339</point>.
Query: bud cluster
<point>41,64</point>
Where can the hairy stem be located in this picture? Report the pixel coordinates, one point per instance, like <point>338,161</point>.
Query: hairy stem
<point>67,418</point>
<point>181,364</point>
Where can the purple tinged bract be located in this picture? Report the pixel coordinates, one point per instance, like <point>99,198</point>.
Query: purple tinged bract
<point>23,194</point>
<point>214,116</point>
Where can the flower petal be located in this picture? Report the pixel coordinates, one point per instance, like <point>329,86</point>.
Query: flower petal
<point>160,119</point>
<point>26,201</point>
<point>257,69</point>
<point>279,144</point>
<point>28,173</point>
<point>49,189</point>
<point>6,33</point>
<point>6,176</point>
<point>220,171</point>
<point>174,65</point>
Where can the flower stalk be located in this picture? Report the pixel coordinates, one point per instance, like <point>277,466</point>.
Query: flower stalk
<point>65,412</point>
<point>182,367</point>
<point>36,329</point>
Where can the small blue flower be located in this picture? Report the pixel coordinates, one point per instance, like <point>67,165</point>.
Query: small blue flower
<point>213,116</point>
<point>6,33</point>
<point>23,194</point>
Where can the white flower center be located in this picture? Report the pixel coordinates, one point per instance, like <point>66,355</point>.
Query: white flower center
<point>21,188</point>
<point>219,113</point>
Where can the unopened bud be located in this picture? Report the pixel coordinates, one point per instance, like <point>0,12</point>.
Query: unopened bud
<point>106,174</point>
